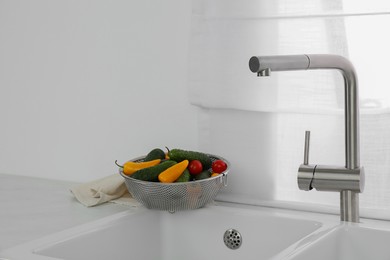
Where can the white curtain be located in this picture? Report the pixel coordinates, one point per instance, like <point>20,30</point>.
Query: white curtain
<point>226,33</point>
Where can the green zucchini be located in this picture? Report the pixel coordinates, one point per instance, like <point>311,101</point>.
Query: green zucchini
<point>185,176</point>
<point>154,154</point>
<point>202,175</point>
<point>151,173</point>
<point>179,155</point>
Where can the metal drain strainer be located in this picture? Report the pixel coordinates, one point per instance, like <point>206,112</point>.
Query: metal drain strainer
<point>232,238</point>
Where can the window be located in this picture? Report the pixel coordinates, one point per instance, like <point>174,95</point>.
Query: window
<point>225,35</point>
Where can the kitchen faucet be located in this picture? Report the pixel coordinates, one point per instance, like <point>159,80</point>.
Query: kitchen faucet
<point>348,179</point>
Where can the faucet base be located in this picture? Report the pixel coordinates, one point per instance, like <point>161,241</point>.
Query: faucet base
<point>349,206</point>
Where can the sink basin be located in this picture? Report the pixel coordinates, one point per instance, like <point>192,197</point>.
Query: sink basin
<point>191,235</point>
<point>349,242</point>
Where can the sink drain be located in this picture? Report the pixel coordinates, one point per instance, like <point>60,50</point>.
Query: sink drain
<point>232,239</point>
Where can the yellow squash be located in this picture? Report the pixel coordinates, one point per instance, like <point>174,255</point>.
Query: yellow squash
<point>173,173</point>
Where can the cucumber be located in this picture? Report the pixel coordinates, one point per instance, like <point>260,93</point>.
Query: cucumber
<point>179,155</point>
<point>151,173</point>
<point>185,176</point>
<point>202,175</point>
<point>154,154</point>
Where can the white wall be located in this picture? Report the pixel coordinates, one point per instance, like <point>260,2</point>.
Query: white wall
<point>83,83</point>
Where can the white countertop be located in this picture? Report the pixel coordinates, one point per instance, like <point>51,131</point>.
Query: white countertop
<point>32,208</point>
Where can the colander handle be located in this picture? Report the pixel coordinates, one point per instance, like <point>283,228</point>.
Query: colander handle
<point>224,179</point>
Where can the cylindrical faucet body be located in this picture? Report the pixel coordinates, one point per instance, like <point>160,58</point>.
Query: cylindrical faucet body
<point>258,64</point>
<point>264,65</point>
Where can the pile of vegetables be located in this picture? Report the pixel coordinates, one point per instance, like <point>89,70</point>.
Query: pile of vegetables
<point>176,165</point>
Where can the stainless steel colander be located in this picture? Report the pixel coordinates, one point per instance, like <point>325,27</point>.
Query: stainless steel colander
<point>176,196</point>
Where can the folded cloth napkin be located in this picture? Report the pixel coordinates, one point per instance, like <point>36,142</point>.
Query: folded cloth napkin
<point>111,188</point>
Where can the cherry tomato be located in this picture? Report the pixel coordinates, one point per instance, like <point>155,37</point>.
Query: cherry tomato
<point>219,166</point>
<point>195,167</point>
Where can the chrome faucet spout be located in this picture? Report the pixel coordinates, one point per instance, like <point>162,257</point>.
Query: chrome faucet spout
<point>349,180</point>
<point>258,64</point>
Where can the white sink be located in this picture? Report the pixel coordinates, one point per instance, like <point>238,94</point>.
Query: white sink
<point>349,242</point>
<point>266,233</point>
<point>197,234</point>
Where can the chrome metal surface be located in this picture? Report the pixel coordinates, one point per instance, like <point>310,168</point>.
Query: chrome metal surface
<point>307,145</point>
<point>306,171</point>
<point>349,180</point>
<point>328,178</point>
<point>265,72</point>
<point>337,178</point>
<point>232,238</point>
<point>279,63</point>
<point>306,177</point>
<point>349,206</point>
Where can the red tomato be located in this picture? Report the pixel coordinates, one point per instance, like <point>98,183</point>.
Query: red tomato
<point>195,167</point>
<point>219,166</point>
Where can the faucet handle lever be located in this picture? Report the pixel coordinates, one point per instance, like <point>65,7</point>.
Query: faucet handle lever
<point>306,152</point>
<point>306,171</point>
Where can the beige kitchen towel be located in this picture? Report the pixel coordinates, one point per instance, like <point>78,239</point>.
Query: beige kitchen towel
<point>111,188</point>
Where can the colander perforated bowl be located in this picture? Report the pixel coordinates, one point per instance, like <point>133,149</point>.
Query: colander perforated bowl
<point>176,196</point>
